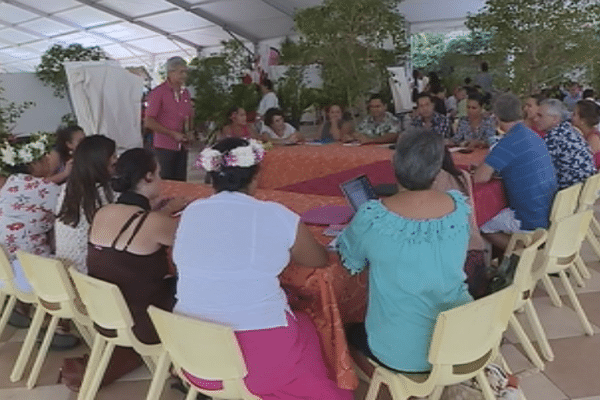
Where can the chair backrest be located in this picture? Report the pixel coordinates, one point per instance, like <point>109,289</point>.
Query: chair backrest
<point>468,333</point>
<point>104,302</point>
<point>47,276</point>
<point>565,202</point>
<point>566,235</point>
<point>525,277</point>
<point>590,192</point>
<point>206,350</point>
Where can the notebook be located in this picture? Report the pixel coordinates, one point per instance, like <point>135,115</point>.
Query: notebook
<point>356,191</point>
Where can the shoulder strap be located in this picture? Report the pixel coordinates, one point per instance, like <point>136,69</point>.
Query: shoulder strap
<point>136,230</point>
<point>124,228</point>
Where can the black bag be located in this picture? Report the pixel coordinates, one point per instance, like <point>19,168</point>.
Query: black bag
<point>504,275</point>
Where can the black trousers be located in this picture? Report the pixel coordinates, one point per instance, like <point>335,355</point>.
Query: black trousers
<point>173,164</point>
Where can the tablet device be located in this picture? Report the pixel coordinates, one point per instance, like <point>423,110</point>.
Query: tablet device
<point>358,191</point>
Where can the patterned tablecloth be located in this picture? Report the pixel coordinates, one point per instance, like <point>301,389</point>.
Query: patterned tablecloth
<point>329,295</point>
<point>286,165</point>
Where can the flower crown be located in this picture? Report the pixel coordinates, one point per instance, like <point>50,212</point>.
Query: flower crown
<point>24,153</point>
<point>244,156</point>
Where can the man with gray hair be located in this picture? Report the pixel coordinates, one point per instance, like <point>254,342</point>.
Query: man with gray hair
<point>570,152</point>
<point>522,160</point>
<point>169,115</point>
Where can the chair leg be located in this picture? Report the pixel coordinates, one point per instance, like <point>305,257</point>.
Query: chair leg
<point>85,332</point>
<point>595,226</point>
<point>192,393</point>
<point>488,394</point>
<point>42,352</point>
<point>551,290</point>
<point>374,386</point>
<point>437,393</point>
<point>8,309</point>
<point>90,369</point>
<point>538,330</point>
<point>27,347</point>
<point>582,268</point>
<point>573,297</point>
<point>576,275</point>
<point>593,241</point>
<point>161,374</point>
<point>529,349</point>
<point>92,389</point>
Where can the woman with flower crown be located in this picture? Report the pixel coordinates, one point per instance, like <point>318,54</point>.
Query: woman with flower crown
<point>229,250</point>
<point>27,201</point>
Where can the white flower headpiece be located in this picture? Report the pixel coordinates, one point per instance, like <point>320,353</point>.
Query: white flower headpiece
<point>24,153</point>
<point>243,156</point>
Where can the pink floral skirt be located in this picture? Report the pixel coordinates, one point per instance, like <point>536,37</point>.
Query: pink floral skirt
<point>284,363</point>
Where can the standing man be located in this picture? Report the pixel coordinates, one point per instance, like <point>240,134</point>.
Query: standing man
<point>169,115</point>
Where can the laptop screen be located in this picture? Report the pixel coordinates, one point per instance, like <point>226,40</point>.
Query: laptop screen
<point>358,191</point>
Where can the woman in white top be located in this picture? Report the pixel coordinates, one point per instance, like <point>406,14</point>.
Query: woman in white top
<point>87,189</point>
<point>229,251</point>
<point>277,131</point>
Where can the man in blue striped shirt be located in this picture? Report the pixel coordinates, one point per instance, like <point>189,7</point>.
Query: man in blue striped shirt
<point>521,158</point>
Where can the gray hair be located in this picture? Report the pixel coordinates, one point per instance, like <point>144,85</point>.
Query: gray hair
<point>418,158</point>
<point>554,107</point>
<point>175,62</point>
<point>507,108</point>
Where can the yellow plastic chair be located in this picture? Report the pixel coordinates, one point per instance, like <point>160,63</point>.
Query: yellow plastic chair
<point>465,339</point>
<point>565,204</point>
<point>526,246</point>
<point>562,252</point>
<point>203,349</point>
<point>10,290</point>
<point>108,310</point>
<point>589,195</point>
<point>56,296</point>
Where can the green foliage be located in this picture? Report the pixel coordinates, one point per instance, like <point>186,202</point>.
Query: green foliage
<point>9,114</point>
<point>293,94</point>
<point>427,50</point>
<point>353,41</point>
<point>540,40</point>
<point>51,70</point>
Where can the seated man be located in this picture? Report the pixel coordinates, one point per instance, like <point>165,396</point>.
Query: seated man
<point>571,155</point>
<point>379,126</point>
<point>427,118</point>
<point>529,194</point>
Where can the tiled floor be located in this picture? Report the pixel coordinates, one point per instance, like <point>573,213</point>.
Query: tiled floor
<point>574,373</point>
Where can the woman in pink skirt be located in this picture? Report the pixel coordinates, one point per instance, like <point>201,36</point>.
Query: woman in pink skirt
<point>229,251</point>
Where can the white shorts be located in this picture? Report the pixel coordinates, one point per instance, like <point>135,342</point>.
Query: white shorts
<point>505,221</point>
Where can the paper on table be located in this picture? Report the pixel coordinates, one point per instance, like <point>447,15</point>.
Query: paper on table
<point>352,144</point>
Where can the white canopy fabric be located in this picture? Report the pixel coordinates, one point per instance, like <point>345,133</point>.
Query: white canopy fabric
<point>147,32</point>
<point>106,101</point>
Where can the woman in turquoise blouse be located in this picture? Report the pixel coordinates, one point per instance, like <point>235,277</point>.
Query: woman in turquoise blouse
<point>414,244</point>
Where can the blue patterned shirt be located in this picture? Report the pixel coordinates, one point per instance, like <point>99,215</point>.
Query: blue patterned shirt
<point>439,123</point>
<point>571,155</point>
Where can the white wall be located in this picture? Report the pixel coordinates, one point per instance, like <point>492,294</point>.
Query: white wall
<point>48,110</point>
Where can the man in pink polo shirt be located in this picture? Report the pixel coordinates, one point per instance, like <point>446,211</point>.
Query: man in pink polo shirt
<point>169,115</point>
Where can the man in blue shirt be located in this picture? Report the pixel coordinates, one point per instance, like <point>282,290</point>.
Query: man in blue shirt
<point>522,160</point>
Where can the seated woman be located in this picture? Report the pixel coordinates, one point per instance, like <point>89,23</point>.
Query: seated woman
<point>27,201</point>
<point>337,128</point>
<point>67,140</point>
<point>585,118</point>
<point>530,109</point>
<point>87,189</point>
<point>476,129</point>
<point>277,131</point>
<point>414,244</point>
<point>127,247</point>
<point>229,251</point>
<point>237,125</point>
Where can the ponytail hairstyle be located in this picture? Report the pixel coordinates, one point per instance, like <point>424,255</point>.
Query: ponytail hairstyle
<point>89,175</point>
<point>131,168</point>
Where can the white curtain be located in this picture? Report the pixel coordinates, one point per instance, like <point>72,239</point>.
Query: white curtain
<point>400,89</point>
<point>107,101</point>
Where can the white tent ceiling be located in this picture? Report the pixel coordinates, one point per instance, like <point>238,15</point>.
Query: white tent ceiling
<point>146,32</point>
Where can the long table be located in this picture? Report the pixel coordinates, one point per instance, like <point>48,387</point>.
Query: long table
<point>287,165</point>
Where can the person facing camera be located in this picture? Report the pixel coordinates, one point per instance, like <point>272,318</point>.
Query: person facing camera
<point>380,126</point>
<point>414,244</point>
<point>230,250</point>
<point>277,131</point>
